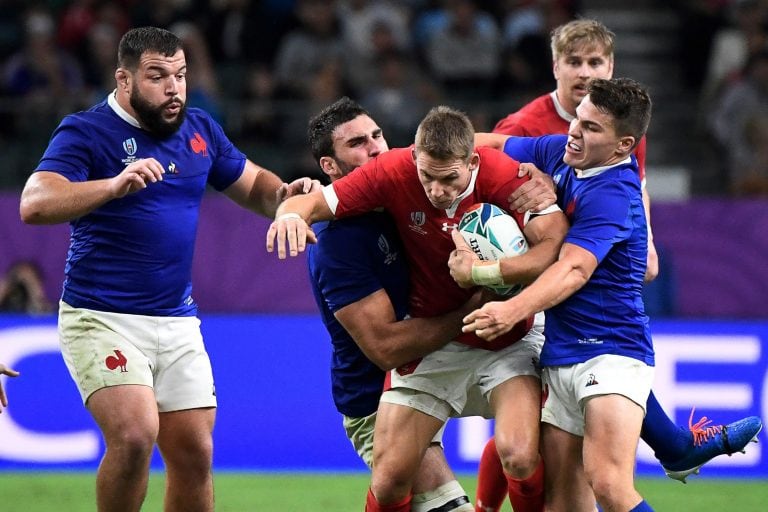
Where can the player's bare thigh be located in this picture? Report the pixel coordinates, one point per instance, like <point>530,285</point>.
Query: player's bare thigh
<point>565,485</point>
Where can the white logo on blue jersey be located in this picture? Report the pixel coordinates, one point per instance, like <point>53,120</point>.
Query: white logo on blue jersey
<point>389,255</point>
<point>129,145</point>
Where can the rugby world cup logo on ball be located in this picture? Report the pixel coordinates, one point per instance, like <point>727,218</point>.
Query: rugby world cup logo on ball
<point>493,234</point>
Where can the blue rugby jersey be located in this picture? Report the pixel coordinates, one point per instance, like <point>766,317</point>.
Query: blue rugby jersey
<point>134,255</point>
<point>604,206</point>
<point>352,259</point>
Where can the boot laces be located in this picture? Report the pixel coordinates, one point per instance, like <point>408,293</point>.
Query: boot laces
<point>701,430</point>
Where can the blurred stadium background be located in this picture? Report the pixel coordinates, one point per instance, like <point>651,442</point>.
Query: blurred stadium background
<point>276,422</point>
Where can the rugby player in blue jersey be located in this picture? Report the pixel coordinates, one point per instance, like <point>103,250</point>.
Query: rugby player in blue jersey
<point>598,355</point>
<point>129,175</point>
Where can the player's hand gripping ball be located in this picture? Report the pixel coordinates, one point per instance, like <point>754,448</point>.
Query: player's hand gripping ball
<point>493,234</point>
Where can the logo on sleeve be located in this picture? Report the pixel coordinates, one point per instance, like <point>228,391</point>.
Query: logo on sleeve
<point>199,145</point>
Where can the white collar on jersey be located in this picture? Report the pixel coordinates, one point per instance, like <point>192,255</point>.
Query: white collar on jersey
<point>120,111</point>
<point>559,107</point>
<point>451,211</point>
<point>588,173</point>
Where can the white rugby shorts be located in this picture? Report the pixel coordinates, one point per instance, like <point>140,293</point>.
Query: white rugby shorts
<point>456,380</point>
<point>566,389</point>
<point>165,353</point>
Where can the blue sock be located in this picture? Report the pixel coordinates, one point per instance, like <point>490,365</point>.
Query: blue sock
<point>642,507</point>
<point>668,441</point>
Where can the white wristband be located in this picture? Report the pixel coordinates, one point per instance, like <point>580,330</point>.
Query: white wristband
<point>289,215</point>
<point>487,275</point>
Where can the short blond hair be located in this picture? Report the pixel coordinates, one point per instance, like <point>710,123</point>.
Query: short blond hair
<point>446,134</point>
<point>581,33</point>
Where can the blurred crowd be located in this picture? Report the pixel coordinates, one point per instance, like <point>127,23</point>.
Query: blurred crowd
<point>263,67</point>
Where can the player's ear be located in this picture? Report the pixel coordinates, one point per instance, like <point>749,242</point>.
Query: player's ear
<point>121,77</point>
<point>626,144</point>
<point>329,167</point>
<point>474,161</point>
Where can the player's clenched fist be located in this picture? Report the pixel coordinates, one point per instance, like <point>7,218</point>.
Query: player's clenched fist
<point>536,194</point>
<point>135,177</point>
<point>461,260</point>
<point>292,229</point>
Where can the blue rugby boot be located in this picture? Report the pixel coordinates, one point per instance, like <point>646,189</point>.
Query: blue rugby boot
<point>711,441</point>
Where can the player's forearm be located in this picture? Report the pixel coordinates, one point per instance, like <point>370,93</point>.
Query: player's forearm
<point>52,199</point>
<point>310,207</point>
<point>402,342</point>
<point>492,140</point>
<point>558,282</point>
<point>652,268</point>
<point>526,268</point>
<point>260,195</point>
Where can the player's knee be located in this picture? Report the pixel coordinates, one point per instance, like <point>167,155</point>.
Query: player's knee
<point>607,485</point>
<point>517,463</point>
<point>193,458</point>
<point>133,445</point>
<point>390,483</point>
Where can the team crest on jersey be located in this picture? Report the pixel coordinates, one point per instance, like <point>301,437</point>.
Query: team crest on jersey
<point>129,145</point>
<point>199,145</point>
<point>417,220</point>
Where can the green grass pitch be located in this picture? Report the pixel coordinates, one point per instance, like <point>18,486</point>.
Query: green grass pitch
<point>256,492</point>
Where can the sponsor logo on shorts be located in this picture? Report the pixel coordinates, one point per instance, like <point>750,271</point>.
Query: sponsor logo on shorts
<point>591,380</point>
<point>117,361</point>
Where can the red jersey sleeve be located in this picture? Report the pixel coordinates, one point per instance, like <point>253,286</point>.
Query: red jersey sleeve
<point>640,155</point>
<point>372,185</point>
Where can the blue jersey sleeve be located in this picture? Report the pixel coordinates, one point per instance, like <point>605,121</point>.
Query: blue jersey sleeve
<point>343,269</point>
<point>602,218</point>
<point>545,152</point>
<point>229,161</point>
<point>69,151</point>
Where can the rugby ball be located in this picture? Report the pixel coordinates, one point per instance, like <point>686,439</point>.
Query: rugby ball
<point>493,234</point>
